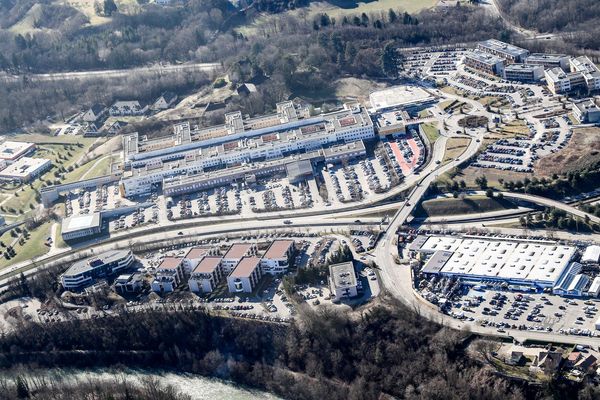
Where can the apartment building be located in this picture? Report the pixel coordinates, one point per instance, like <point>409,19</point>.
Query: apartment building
<point>194,256</point>
<point>235,253</point>
<point>85,272</point>
<point>484,62</point>
<point>207,275</point>
<point>276,259</point>
<point>245,276</point>
<point>523,72</point>
<point>506,51</point>
<point>169,274</point>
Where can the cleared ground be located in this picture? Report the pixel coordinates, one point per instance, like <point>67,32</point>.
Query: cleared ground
<point>458,206</point>
<point>455,147</point>
<point>582,151</point>
<point>493,176</point>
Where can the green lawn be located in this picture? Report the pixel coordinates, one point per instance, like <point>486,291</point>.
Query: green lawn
<point>431,131</point>
<point>89,170</point>
<point>468,205</point>
<point>33,247</point>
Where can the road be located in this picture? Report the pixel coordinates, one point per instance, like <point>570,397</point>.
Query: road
<point>113,73</point>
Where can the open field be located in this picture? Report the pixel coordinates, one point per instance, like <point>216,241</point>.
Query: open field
<point>493,176</point>
<point>458,206</point>
<point>431,131</point>
<point>455,147</point>
<point>517,127</point>
<point>583,150</point>
<point>33,247</point>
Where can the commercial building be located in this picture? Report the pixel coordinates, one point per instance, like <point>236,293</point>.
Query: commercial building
<point>586,111</point>
<point>206,276</point>
<point>25,169</point>
<point>400,97</point>
<point>79,226</point>
<point>276,259</point>
<point>549,61</point>
<point>589,70</point>
<point>508,52</point>
<point>169,274</point>
<point>235,253</point>
<point>245,276</point>
<point>594,289</point>
<point>484,62</point>
<point>12,151</point>
<point>538,264</point>
<point>239,142</point>
<point>559,81</point>
<point>129,283</point>
<point>591,254</point>
<point>342,281</point>
<point>523,72</point>
<point>85,272</point>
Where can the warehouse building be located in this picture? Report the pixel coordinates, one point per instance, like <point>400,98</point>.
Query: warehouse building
<point>506,51</point>
<point>85,272</point>
<point>591,254</point>
<point>523,72</point>
<point>594,289</point>
<point>484,62</point>
<point>537,264</point>
<point>25,169</point>
<point>342,281</point>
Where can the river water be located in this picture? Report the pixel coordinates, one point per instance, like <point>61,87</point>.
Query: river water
<point>196,386</point>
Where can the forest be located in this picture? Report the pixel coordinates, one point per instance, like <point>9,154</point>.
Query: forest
<point>386,351</point>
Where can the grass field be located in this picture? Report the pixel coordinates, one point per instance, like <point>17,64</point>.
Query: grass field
<point>493,176</point>
<point>92,169</point>
<point>455,147</point>
<point>458,206</point>
<point>431,131</point>
<point>33,247</point>
<point>517,127</point>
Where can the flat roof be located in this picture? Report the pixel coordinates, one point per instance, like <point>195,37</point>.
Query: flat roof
<point>207,265</point>
<point>591,254</point>
<point>437,261</point>
<point>545,57</point>
<point>522,67</point>
<point>502,47</point>
<point>278,249</point>
<point>79,222</point>
<point>484,58</point>
<point>170,263</point>
<point>237,251</point>
<point>343,275</point>
<point>398,96</point>
<point>10,150</point>
<point>502,259</point>
<point>197,252</point>
<point>245,267</point>
<point>24,167</point>
<point>90,263</point>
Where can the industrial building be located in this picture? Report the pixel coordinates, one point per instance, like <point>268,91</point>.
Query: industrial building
<point>549,61</point>
<point>594,289</point>
<point>85,272</point>
<point>523,72</point>
<point>537,264</point>
<point>245,276</point>
<point>591,254</point>
<point>484,62</point>
<point>11,151</point>
<point>25,169</point>
<point>586,111</point>
<point>508,52</point>
<point>342,281</point>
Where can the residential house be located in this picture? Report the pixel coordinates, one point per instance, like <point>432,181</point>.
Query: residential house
<point>165,100</point>
<point>128,108</point>
<point>94,113</point>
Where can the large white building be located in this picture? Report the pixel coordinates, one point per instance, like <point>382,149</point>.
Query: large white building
<point>191,151</point>
<point>12,151</point>
<point>25,169</point>
<point>342,281</point>
<point>583,74</point>
<point>485,62</point>
<point>245,276</point>
<point>521,262</point>
<point>509,52</point>
<point>549,60</point>
<point>589,70</point>
<point>85,272</point>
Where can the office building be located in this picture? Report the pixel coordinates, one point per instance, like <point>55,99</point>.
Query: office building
<point>559,81</point>
<point>276,259</point>
<point>85,272</point>
<point>342,281</point>
<point>508,52</point>
<point>245,276</point>
<point>484,62</point>
<point>523,72</point>
<point>25,169</point>
<point>589,70</point>
<point>586,111</point>
<point>206,276</point>
<point>80,226</point>
<point>169,274</point>
<point>129,283</point>
<point>12,151</point>
<point>549,61</point>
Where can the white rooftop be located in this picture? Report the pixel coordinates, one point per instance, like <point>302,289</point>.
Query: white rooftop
<point>24,167</point>
<point>78,222</point>
<point>13,150</point>
<point>591,254</point>
<point>398,96</point>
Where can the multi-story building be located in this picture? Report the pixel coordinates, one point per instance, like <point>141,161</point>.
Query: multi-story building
<point>523,72</point>
<point>586,111</point>
<point>506,51</point>
<point>484,62</point>
<point>238,142</point>
<point>85,272</point>
<point>559,81</point>
<point>245,276</point>
<point>276,259</point>
<point>25,169</point>
<point>193,257</point>
<point>235,253</point>
<point>589,70</point>
<point>169,274</point>
<point>11,151</point>
<point>549,61</point>
<point>206,276</point>
<point>129,283</point>
<point>342,281</point>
